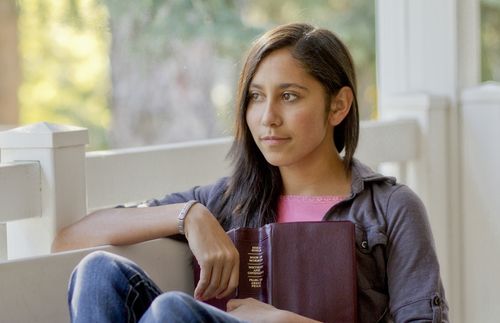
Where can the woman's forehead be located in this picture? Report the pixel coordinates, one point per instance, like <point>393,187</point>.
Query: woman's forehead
<point>281,69</point>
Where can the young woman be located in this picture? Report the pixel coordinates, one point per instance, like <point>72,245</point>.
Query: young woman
<point>296,112</point>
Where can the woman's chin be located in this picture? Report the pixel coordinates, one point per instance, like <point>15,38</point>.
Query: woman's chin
<point>277,162</point>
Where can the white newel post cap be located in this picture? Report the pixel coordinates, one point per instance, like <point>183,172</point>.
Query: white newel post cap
<point>60,153</point>
<point>487,92</point>
<point>44,135</point>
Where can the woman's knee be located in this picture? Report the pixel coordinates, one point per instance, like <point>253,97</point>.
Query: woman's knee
<point>179,307</point>
<point>96,261</point>
<point>97,258</point>
<point>98,266</point>
<point>172,303</point>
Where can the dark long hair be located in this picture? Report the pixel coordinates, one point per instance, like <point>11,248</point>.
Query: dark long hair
<point>255,185</point>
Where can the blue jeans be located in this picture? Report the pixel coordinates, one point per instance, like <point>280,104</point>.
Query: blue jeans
<point>108,288</point>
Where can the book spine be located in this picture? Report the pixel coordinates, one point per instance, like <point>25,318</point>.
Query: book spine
<point>266,243</point>
<point>253,275</point>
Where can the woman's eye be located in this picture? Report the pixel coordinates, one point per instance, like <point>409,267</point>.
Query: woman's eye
<point>255,96</point>
<point>290,97</point>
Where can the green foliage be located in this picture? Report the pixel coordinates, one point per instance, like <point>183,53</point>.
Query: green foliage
<point>352,20</point>
<point>231,25</point>
<point>490,40</point>
<point>65,46</point>
<point>65,66</point>
<point>218,21</point>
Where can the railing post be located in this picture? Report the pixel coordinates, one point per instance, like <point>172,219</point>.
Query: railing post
<point>480,204</point>
<point>60,150</point>
<point>430,176</point>
<point>405,32</point>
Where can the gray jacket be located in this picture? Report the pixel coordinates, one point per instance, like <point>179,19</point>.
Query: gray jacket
<point>398,270</point>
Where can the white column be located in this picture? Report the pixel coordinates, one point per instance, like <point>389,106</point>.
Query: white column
<point>60,150</point>
<point>481,202</point>
<point>427,46</point>
<point>433,48</point>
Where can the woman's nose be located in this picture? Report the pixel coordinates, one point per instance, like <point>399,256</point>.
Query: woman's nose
<point>270,115</point>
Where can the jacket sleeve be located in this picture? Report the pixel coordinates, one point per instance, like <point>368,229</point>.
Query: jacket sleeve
<point>207,195</point>
<point>415,289</point>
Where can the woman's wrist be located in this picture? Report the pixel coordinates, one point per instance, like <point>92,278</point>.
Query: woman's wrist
<point>196,211</point>
<point>181,217</point>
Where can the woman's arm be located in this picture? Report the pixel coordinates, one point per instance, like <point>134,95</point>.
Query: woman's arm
<point>414,282</point>
<point>122,226</point>
<point>119,226</point>
<point>216,254</point>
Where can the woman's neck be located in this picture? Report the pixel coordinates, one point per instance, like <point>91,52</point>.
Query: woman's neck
<point>327,176</point>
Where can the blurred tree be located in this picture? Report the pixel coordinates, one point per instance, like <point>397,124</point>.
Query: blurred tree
<point>490,40</point>
<point>352,20</point>
<point>63,47</point>
<point>170,67</point>
<point>10,75</point>
<point>174,63</point>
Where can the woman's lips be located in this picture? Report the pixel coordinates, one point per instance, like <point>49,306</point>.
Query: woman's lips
<point>274,140</point>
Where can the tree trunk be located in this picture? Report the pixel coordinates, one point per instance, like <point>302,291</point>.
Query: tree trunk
<point>9,64</point>
<point>160,84</point>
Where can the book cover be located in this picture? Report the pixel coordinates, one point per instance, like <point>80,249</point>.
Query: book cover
<point>308,268</point>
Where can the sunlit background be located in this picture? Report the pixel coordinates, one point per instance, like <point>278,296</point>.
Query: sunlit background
<point>148,72</point>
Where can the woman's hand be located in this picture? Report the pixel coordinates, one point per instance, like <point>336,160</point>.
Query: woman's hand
<point>216,254</point>
<point>254,311</point>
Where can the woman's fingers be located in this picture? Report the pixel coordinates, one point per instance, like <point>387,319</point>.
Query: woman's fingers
<point>222,267</point>
<point>205,275</point>
<point>224,279</point>
<point>214,282</point>
<point>215,252</point>
<point>234,275</point>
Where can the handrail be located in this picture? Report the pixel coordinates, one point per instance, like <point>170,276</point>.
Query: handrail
<point>135,174</point>
<point>389,141</point>
<point>118,176</point>
<point>69,183</point>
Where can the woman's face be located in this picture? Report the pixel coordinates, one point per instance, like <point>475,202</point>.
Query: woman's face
<point>287,113</point>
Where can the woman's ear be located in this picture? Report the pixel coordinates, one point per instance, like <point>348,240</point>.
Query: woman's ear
<point>340,105</point>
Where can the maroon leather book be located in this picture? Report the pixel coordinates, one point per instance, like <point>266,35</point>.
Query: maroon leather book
<point>308,268</point>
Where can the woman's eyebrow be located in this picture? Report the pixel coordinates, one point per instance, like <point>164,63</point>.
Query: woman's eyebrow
<point>257,86</point>
<point>280,86</point>
<point>289,85</point>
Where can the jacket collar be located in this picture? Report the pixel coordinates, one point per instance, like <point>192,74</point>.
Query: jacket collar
<point>362,174</point>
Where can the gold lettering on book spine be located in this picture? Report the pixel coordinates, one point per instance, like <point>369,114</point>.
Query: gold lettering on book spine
<point>255,267</point>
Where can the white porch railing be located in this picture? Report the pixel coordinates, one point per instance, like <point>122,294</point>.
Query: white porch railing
<point>136,174</point>
<point>48,181</point>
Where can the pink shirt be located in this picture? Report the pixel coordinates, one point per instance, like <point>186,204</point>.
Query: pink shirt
<point>298,208</point>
